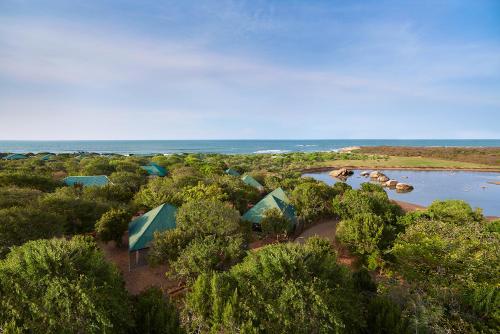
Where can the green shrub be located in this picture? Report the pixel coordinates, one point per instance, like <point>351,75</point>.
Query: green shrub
<point>313,200</point>
<point>14,196</point>
<point>275,223</point>
<point>385,317</point>
<point>24,180</point>
<point>154,313</point>
<point>62,286</point>
<point>21,224</point>
<point>364,234</point>
<point>208,236</point>
<point>284,288</point>
<point>454,211</point>
<point>112,225</point>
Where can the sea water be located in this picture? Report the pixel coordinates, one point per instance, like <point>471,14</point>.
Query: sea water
<point>223,146</point>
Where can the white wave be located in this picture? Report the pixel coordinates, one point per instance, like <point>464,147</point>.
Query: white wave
<point>306,145</point>
<point>270,151</point>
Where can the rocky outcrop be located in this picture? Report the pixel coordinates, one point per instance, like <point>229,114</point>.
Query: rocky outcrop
<point>341,173</point>
<point>404,187</point>
<point>391,183</point>
<point>382,178</point>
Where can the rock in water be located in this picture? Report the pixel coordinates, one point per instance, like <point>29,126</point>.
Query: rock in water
<point>391,183</point>
<point>341,173</point>
<point>382,178</point>
<point>404,187</point>
<point>375,174</point>
<point>365,173</point>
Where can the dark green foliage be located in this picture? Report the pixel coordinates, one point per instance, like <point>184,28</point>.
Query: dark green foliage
<point>458,265</point>
<point>454,211</point>
<point>96,166</point>
<point>313,200</point>
<point>154,313</point>
<point>24,180</point>
<point>365,234</point>
<point>275,223</point>
<point>385,317</point>
<point>80,214</point>
<point>363,282</point>
<point>371,187</point>
<point>60,286</point>
<point>341,187</point>
<point>14,196</point>
<point>208,236</point>
<point>112,225</point>
<point>353,202</point>
<point>240,194</point>
<point>21,224</point>
<point>285,288</point>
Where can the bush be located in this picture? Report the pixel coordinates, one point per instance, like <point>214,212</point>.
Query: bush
<point>154,313</point>
<point>208,236</point>
<point>454,211</point>
<point>21,224</point>
<point>79,214</point>
<point>284,288</point>
<point>313,200</point>
<point>385,317</point>
<point>364,234</point>
<point>275,223</point>
<point>112,225</point>
<point>14,196</point>
<point>354,202</point>
<point>61,286</point>
<point>34,181</point>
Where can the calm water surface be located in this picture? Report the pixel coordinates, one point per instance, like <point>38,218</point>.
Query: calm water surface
<point>472,187</point>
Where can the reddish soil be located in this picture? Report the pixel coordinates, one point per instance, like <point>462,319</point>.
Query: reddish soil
<point>139,278</point>
<point>327,229</point>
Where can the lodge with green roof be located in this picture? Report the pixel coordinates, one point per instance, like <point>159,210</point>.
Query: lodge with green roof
<point>87,181</point>
<point>274,200</point>
<point>247,179</point>
<point>154,169</point>
<point>15,156</point>
<point>233,172</point>
<point>141,230</point>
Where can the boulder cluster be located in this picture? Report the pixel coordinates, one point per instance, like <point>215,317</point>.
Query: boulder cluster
<point>387,182</point>
<point>341,173</point>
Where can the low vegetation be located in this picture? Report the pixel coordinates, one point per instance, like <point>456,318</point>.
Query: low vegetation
<point>431,271</point>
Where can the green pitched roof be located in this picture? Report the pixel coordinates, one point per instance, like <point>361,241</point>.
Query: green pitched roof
<point>97,180</point>
<point>232,172</point>
<point>15,156</point>
<point>141,229</point>
<point>276,199</point>
<point>47,157</point>
<point>247,179</point>
<point>155,169</point>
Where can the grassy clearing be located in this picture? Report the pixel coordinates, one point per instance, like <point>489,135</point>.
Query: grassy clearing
<point>477,155</point>
<point>405,162</point>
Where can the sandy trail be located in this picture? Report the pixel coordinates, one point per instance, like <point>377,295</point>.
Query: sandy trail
<point>139,278</point>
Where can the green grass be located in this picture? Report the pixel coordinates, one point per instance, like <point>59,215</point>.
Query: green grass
<point>404,162</point>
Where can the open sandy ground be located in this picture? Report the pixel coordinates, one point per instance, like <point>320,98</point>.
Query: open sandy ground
<point>139,278</point>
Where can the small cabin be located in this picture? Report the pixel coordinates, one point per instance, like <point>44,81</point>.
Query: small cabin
<point>141,231</point>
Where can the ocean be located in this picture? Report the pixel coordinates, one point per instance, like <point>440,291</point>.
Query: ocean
<point>223,146</point>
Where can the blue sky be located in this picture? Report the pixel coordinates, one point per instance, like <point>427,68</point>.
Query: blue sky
<point>249,69</point>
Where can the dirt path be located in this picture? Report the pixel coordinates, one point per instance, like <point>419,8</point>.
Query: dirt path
<point>327,230</point>
<point>139,278</point>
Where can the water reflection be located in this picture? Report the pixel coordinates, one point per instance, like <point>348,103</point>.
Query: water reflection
<point>476,188</point>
